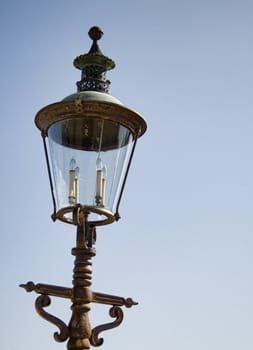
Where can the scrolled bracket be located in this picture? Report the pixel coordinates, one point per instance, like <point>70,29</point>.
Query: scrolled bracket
<point>44,301</point>
<point>115,312</point>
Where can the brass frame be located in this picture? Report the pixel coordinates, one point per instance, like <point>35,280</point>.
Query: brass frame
<point>79,211</point>
<point>59,111</point>
<point>78,108</point>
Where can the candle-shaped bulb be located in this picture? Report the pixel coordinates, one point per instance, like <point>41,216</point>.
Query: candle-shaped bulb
<point>77,171</point>
<point>73,182</point>
<point>76,185</point>
<point>72,164</point>
<point>99,163</point>
<point>104,173</point>
<point>99,188</point>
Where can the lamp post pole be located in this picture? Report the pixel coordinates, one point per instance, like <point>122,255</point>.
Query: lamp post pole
<point>96,130</point>
<point>79,326</point>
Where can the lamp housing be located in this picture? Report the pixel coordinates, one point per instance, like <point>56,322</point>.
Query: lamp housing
<point>89,139</point>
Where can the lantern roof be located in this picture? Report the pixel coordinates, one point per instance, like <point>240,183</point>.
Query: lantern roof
<point>91,99</point>
<point>89,127</point>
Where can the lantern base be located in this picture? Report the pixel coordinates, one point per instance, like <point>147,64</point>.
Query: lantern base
<point>75,214</point>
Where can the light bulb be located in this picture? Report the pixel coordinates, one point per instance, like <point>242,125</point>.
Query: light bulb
<point>72,164</point>
<point>76,184</point>
<point>99,186</point>
<point>99,163</point>
<point>104,173</point>
<point>73,182</point>
<point>77,171</point>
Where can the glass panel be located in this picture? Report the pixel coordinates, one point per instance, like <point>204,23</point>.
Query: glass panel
<point>89,159</point>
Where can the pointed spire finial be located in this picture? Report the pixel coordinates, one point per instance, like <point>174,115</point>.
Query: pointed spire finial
<point>94,65</point>
<point>95,33</point>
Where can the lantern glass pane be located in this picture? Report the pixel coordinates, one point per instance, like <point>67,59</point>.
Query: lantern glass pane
<point>88,159</point>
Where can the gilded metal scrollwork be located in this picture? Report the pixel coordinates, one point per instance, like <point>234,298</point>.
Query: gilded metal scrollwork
<point>44,301</point>
<point>115,312</point>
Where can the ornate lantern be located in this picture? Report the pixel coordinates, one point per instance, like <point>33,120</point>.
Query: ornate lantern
<point>89,140</point>
<point>92,137</point>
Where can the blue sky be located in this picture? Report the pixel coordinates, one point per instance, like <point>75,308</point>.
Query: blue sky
<point>183,247</point>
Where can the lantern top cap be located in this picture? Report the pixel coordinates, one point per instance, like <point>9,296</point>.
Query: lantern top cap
<point>94,65</point>
<point>91,99</point>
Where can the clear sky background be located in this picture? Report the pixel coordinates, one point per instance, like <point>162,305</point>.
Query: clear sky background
<point>183,247</point>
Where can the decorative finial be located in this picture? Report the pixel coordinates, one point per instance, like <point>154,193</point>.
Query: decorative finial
<point>95,33</point>
<point>94,65</point>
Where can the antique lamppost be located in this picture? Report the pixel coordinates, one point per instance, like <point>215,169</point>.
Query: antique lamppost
<point>89,139</point>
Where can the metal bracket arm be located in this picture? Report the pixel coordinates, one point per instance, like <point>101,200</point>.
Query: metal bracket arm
<point>64,292</point>
<point>115,312</point>
<point>47,289</point>
<point>43,301</point>
<point>114,300</point>
<point>81,298</point>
